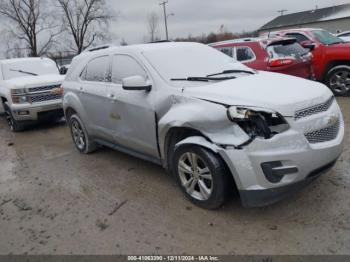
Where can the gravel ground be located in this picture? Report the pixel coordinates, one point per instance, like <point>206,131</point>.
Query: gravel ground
<point>54,200</point>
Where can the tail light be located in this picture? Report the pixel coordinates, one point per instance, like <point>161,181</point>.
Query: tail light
<point>281,62</point>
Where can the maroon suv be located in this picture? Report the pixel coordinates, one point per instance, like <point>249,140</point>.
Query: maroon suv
<point>280,55</point>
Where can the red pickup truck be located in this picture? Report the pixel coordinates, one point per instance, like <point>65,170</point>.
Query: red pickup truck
<point>331,57</point>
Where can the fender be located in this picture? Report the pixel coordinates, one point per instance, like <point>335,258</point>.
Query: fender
<point>71,100</point>
<point>199,141</point>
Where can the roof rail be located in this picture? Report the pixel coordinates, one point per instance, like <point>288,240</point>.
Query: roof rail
<point>160,41</point>
<point>96,48</point>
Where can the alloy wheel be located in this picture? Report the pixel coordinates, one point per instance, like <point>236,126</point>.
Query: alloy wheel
<point>195,176</point>
<point>9,119</point>
<point>340,82</point>
<point>78,134</point>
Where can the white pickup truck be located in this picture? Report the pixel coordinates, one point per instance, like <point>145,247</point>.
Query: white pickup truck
<point>30,91</point>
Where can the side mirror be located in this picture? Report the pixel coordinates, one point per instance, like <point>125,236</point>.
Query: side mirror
<point>308,45</point>
<point>136,83</point>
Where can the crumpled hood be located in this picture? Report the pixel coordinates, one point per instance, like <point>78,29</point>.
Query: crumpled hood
<point>35,81</point>
<point>281,93</point>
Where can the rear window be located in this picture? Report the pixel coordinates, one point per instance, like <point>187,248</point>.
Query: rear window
<point>286,50</point>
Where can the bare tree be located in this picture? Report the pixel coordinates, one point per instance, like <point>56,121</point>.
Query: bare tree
<point>152,26</point>
<point>29,22</point>
<point>84,20</point>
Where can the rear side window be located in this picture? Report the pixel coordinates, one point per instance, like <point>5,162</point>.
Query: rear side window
<point>286,50</point>
<point>227,50</point>
<point>244,54</point>
<point>125,66</point>
<point>299,37</point>
<point>96,70</point>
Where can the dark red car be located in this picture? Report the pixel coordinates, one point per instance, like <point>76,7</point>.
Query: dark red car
<point>280,55</point>
<point>331,54</point>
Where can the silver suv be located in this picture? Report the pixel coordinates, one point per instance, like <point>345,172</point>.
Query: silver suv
<point>215,124</point>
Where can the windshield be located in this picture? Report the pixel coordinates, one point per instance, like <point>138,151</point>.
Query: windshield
<point>190,60</point>
<point>28,67</point>
<point>282,50</point>
<point>326,38</point>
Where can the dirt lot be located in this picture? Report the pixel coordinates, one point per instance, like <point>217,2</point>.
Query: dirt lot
<point>54,200</point>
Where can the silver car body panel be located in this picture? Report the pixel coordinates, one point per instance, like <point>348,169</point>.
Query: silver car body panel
<point>140,120</point>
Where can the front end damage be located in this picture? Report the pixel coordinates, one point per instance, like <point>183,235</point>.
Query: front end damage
<point>268,154</point>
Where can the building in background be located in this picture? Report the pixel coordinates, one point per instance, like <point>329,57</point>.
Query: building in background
<point>335,19</point>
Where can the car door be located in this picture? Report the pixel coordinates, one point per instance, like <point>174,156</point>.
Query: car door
<point>132,119</point>
<point>92,91</point>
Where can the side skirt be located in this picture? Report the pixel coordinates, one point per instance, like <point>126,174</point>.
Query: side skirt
<point>129,151</point>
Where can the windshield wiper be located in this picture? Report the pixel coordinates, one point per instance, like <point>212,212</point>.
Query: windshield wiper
<point>203,79</point>
<point>24,72</point>
<point>233,71</point>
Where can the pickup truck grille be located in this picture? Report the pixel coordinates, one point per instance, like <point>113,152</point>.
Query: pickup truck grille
<point>314,109</point>
<point>43,93</point>
<point>44,97</point>
<point>42,88</point>
<point>323,135</point>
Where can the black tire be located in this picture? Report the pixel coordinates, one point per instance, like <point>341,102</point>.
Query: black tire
<point>88,146</point>
<point>221,185</point>
<point>338,80</point>
<point>15,126</point>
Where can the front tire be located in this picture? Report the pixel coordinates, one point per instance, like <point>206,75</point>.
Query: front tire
<point>81,139</point>
<point>202,176</point>
<point>15,126</point>
<point>338,80</point>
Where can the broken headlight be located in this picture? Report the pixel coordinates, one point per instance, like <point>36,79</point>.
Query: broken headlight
<point>258,122</point>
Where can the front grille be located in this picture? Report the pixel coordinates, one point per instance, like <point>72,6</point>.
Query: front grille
<point>44,97</point>
<point>323,135</point>
<point>314,109</point>
<point>42,88</point>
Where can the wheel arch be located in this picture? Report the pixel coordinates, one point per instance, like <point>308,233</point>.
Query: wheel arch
<point>183,136</point>
<point>333,64</point>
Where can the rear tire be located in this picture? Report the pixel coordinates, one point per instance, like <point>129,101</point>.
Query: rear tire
<point>81,138</point>
<point>338,80</point>
<point>15,126</point>
<point>202,176</point>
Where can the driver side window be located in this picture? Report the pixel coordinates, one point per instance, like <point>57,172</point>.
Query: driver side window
<point>125,66</point>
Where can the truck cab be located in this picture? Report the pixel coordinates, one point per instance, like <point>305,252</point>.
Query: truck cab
<point>30,91</point>
<point>331,57</point>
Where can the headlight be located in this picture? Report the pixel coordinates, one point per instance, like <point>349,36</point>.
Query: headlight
<point>18,96</point>
<point>258,122</point>
<point>239,113</point>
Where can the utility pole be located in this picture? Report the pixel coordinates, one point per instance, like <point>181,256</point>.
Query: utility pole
<point>282,11</point>
<point>165,19</point>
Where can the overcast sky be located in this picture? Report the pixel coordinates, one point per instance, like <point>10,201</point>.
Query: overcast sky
<point>203,16</point>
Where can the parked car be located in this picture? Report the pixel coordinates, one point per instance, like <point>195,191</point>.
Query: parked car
<point>345,36</point>
<point>280,55</point>
<point>30,91</point>
<point>331,57</point>
<point>214,123</point>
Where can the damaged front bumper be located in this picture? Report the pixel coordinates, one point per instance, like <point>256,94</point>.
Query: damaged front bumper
<point>267,171</point>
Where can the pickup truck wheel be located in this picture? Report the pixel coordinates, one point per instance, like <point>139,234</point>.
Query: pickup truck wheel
<point>14,125</point>
<point>81,139</point>
<point>201,175</point>
<point>338,80</point>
